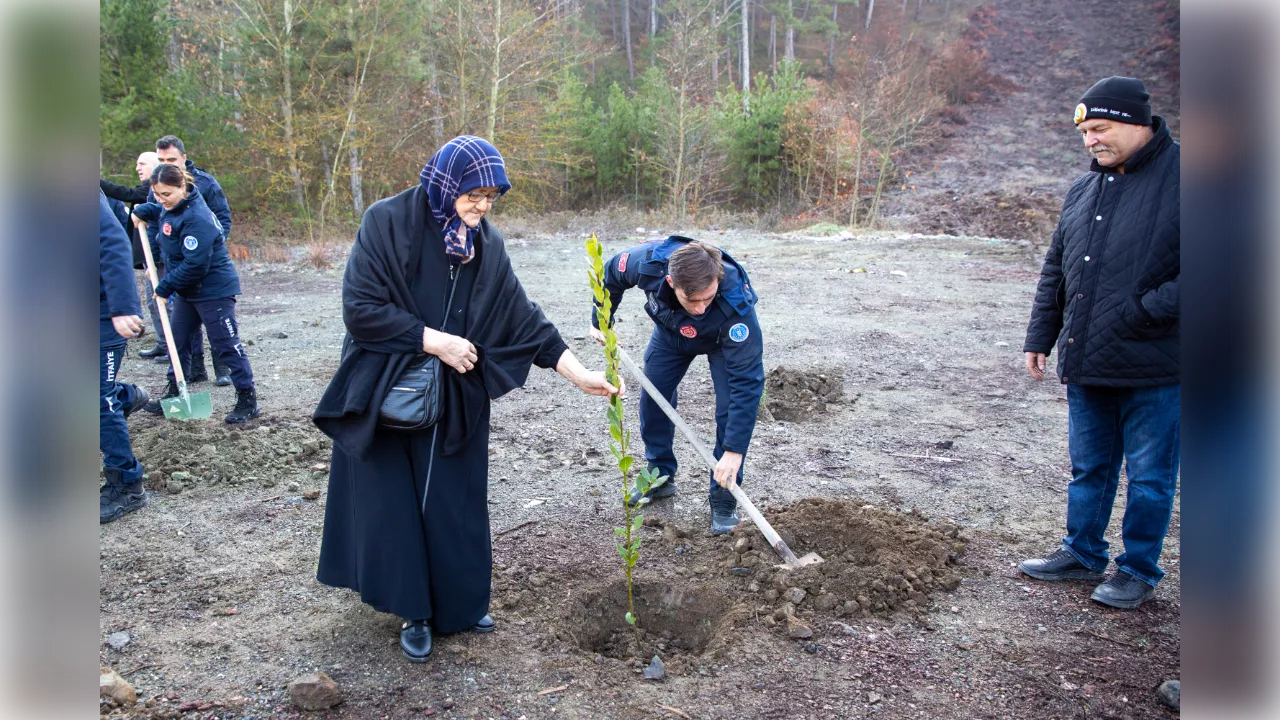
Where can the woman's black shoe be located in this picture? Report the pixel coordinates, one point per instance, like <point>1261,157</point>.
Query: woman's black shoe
<point>484,625</point>
<point>155,351</point>
<point>415,640</point>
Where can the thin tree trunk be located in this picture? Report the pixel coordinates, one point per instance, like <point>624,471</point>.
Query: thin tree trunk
<point>728,45</point>
<point>495,79</point>
<point>437,103</point>
<point>357,185</point>
<point>286,107</point>
<point>918,4</point>
<point>874,212</point>
<point>791,32</point>
<point>626,38</point>
<point>773,45</point>
<point>746,55</point>
<point>653,17</point>
<point>871,8</point>
<point>831,42</point>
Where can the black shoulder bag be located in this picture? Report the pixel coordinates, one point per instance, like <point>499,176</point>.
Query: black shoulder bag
<point>414,403</point>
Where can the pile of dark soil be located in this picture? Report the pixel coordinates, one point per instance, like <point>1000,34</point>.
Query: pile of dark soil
<point>1025,215</point>
<point>797,395</point>
<point>210,453</point>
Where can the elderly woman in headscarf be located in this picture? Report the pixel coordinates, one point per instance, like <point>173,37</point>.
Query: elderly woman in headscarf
<point>407,519</point>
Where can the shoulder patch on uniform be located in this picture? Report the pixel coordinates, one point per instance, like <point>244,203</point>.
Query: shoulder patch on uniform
<point>168,229</point>
<point>739,332</point>
<point>689,331</point>
<point>190,242</point>
<point>622,262</point>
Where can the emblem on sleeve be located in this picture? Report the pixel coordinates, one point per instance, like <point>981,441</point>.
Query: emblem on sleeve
<point>189,242</point>
<point>688,331</point>
<point>168,229</point>
<point>739,332</point>
<point>622,262</point>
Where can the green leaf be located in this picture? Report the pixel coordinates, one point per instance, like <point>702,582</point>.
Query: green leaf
<point>659,480</point>
<point>616,434</point>
<point>643,501</point>
<point>631,619</point>
<point>620,531</point>
<point>636,522</point>
<point>625,464</point>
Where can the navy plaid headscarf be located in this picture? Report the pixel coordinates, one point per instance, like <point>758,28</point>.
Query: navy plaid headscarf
<point>460,166</point>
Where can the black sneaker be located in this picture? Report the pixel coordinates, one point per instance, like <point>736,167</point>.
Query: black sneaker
<point>246,407</point>
<point>1060,565</point>
<point>140,399</point>
<point>118,498</point>
<point>1123,591</point>
<point>724,518</point>
<point>158,350</point>
<point>153,405</point>
<point>415,641</point>
<point>200,375</point>
<point>665,490</point>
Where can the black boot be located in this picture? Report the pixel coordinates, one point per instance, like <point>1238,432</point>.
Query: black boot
<point>221,375</point>
<point>1060,565</point>
<point>140,399</point>
<point>485,624</point>
<point>155,351</point>
<point>118,497</point>
<point>724,516</point>
<point>1123,591</point>
<point>153,405</point>
<point>246,407</point>
<point>665,490</point>
<point>415,640</point>
<point>197,375</point>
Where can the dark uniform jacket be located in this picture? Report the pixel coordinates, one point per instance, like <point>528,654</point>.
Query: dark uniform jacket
<point>132,196</point>
<point>1108,292</point>
<point>194,250</point>
<point>729,325</point>
<point>117,293</point>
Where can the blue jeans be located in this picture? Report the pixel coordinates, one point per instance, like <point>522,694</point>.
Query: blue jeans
<point>665,366</point>
<point>113,398</point>
<point>1108,426</point>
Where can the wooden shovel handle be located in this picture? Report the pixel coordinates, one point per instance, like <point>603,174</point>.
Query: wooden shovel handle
<point>164,307</point>
<point>778,544</point>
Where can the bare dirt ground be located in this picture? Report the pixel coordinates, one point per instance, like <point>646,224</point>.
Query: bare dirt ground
<point>919,611</point>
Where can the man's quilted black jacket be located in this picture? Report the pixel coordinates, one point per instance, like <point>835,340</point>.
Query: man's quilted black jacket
<point>1108,293</point>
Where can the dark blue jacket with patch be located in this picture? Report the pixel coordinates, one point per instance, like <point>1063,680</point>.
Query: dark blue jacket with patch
<point>117,292</point>
<point>213,196</point>
<point>729,325</point>
<point>194,250</point>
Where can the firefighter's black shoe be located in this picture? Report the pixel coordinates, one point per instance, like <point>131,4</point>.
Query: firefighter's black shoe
<point>153,405</point>
<point>246,407</point>
<point>118,497</point>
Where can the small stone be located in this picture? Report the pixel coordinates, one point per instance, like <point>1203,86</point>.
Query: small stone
<point>1170,693</point>
<point>447,704</point>
<point>114,687</point>
<point>1002,344</point>
<point>174,487</point>
<point>1041,628</point>
<point>314,691</point>
<point>955,609</point>
<point>282,335</point>
<point>117,640</point>
<point>826,602</point>
<point>811,648</point>
<point>312,494</point>
<point>208,449</point>
<point>770,594</point>
<point>656,670</point>
<point>742,545</point>
<point>874,698</point>
<point>795,595</point>
<point>753,587</point>
<point>294,487</point>
<point>740,571</point>
<point>180,476</point>
<point>797,630</point>
<point>700,570</point>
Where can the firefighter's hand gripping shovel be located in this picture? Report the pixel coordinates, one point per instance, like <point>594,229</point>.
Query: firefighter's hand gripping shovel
<point>186,406</point>
<point>789,558</point>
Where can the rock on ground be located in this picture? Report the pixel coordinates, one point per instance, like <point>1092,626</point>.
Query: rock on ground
<point>111,685</point>
<point>1170,693</point>
<point>314,691</point>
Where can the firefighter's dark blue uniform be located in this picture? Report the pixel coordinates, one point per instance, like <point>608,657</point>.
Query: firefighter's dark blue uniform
<point>727,333</point>
<point>200,281</point>
<point>117,296</point>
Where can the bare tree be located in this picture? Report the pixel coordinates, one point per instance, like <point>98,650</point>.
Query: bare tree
<point>791,31</point>
<point>746,54</point>
<point>871,8</point>
<point>626,38</point>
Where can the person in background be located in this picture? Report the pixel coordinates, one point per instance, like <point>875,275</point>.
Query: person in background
<point>119,196</point>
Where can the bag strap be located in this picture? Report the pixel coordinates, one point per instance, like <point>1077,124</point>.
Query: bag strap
<point>453,286</point>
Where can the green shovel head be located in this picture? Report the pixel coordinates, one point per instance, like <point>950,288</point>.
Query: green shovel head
<point>193,406</point>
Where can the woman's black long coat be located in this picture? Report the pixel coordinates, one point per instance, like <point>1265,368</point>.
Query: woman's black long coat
<point>377,538</point>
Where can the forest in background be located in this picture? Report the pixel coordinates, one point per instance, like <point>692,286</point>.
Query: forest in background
<point>309,110</point>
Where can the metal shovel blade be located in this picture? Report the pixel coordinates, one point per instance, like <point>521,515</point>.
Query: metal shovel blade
<point>188,406</point>
<point>812,558</point>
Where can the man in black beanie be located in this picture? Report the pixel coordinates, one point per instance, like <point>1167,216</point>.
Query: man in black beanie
<point>1108,298</point>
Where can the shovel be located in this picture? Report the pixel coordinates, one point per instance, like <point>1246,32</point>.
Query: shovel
<point>789,559</point>
<point>186,406</point>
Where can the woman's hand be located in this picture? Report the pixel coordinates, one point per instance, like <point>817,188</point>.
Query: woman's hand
<point>591,382</point>
<point>456,352</point>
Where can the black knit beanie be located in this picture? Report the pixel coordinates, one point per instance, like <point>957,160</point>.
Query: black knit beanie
<point>1121,99</point>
